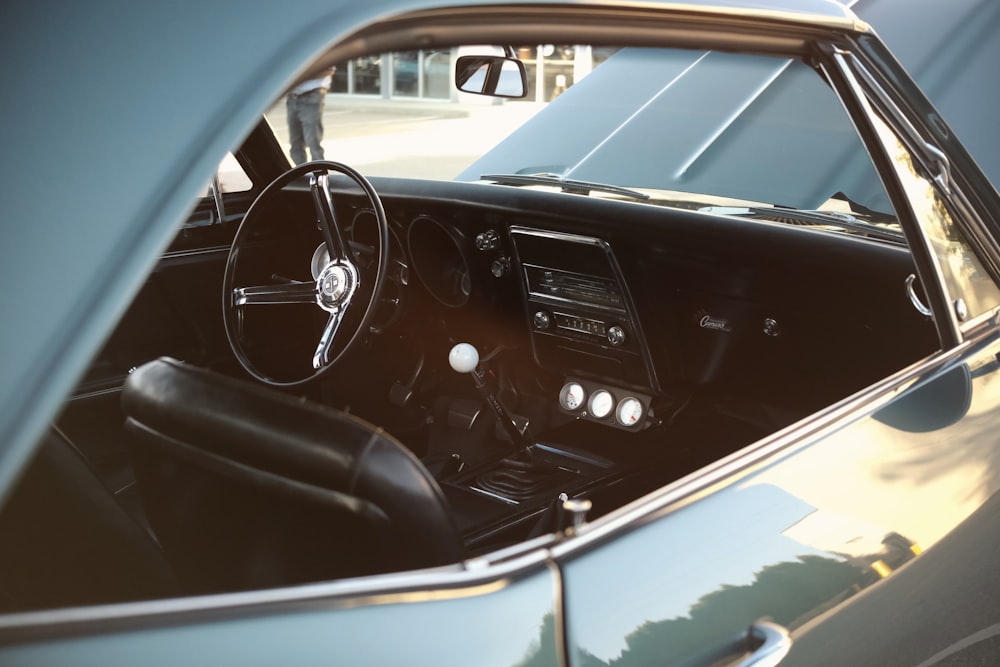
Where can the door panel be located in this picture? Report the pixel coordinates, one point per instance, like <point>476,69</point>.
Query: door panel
<point>853,542</point>
<point>503,622</point>
<point>177,314</point>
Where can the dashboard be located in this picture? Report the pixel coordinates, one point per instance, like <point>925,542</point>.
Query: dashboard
<point>625,311</point>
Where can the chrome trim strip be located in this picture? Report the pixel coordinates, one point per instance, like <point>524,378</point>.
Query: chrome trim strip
<point>474,577</point>
<point>97,393</point>
<point>198,252</point>
<point>494,496</point>
<point>776,645</point>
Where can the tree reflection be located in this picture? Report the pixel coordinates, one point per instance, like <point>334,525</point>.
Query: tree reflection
<point>790,593</point>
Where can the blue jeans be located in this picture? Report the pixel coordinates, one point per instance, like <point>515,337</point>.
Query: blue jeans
<point>305,124</point>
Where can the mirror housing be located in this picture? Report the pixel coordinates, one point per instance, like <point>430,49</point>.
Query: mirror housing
<point>495,76</point>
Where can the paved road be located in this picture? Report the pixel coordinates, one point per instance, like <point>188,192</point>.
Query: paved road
<point>410,138</point>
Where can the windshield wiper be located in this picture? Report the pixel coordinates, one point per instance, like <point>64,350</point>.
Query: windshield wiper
<point>839,219</point>
<point>564,184</point>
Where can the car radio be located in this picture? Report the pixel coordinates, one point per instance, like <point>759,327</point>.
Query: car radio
<point>579,310</point>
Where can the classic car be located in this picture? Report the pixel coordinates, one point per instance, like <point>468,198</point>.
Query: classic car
<point>689,358</point>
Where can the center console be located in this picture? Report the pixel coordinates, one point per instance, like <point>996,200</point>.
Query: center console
<point>583,325</point>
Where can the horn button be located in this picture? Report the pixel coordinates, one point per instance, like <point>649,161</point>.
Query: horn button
<point>335,286</point>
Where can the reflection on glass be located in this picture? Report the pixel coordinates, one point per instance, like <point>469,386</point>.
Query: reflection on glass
<point>962,272</point>
<point>489,75</point>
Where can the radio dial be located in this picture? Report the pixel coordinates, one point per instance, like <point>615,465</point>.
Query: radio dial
<point>616,335</point>
<point>542,320</point>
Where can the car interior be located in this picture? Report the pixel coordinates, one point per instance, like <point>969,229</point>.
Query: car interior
<point>337,376</point>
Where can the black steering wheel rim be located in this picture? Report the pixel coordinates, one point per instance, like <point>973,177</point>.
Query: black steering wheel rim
<point>333,291</point>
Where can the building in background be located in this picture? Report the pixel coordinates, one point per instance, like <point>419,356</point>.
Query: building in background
<point>429,74</point>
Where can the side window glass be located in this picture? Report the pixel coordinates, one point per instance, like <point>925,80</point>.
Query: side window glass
<point>232,177</point>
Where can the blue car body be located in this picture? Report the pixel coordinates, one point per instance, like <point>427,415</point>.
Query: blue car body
<point>860,532</point>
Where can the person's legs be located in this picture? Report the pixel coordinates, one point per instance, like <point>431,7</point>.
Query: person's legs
<point>311,107</point>
<point>296,139</point>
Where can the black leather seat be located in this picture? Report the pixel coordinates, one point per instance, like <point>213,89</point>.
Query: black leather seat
<point>247,487</point>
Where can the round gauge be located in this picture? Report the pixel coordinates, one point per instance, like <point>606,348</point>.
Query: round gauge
<point>629,411</point>
<point>572,396</point>
<point>365,240</point>
<point>601,404</point>
<point>439,262</point>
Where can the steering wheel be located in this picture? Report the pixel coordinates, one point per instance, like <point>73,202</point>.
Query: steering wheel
<point>336,277</point>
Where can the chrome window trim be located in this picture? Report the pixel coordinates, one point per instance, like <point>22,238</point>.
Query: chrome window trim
<point>474,577</point>
<point>938,171</point>
<point>938,298</point>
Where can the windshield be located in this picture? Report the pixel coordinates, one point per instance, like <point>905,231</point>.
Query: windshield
<point>720,128</point>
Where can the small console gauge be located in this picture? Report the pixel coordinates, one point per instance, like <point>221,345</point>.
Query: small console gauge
<point>629,412</point>
<point>601,404</point>
<point>572,396</point>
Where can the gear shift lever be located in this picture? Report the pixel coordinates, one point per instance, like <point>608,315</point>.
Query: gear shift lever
<point>464,358</point>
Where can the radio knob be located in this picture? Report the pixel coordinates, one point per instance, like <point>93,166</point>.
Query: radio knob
<point>500,267</point>
<point>542,320</point>
<point>616,335</point>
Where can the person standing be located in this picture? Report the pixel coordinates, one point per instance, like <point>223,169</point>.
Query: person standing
<point>304,104</point>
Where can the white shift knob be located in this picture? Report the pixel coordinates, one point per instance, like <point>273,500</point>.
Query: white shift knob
<point>464,358</point>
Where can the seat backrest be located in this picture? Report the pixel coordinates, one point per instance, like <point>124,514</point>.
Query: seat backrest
<point>247,487</point>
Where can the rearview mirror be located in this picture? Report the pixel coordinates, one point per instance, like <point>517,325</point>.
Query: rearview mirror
<point>496,76</point>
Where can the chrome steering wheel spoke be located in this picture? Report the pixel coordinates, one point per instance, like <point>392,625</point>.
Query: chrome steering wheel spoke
<point>324,350</point>
<point>297,292</point>
<point>319,187</point>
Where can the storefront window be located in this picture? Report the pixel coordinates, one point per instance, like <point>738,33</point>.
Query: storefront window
<point>366,75</point>
<point>406,74</point>
<point>551,69</point>
<point>437,74</point>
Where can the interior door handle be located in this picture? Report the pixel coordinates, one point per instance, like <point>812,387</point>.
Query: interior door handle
<point>914,299</point>
<point>775,645</point>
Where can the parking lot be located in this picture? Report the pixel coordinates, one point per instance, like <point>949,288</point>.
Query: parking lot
<point>410,138</point>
